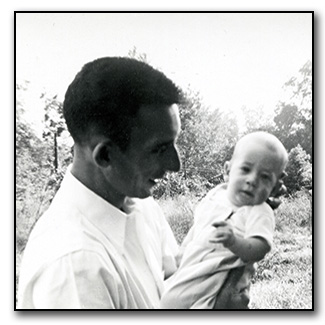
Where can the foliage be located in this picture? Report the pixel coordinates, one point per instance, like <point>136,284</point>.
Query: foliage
<point>54,127</point>
<point>294,116</point>
<point>256,119</point>
<point>31,155</point>
<point>135,54</point>
<point>206,140</point>
<point>299,170</point>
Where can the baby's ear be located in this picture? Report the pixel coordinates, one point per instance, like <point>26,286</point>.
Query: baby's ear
<point>226,170</point>
<point>283,175</point>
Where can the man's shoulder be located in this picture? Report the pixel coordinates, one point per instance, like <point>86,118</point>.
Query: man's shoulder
<point>58,233</point>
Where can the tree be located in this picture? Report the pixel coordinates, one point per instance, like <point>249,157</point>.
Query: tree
<point>134,54</point>
<point>31,153</point>
<point>293,118</point>
<point>54,125</point>
<point>256,119</point>
<point>299,170</point>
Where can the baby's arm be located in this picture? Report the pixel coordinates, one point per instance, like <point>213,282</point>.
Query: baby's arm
<point>251,249</point>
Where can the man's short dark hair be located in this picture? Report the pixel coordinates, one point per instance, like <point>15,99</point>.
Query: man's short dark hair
<point>107,93</point>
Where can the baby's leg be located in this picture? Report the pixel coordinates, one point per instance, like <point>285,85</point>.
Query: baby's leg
<point>229,296</point>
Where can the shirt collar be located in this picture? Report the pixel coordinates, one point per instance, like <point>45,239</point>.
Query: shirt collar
<point>221,194</point>
<point>107,218</point>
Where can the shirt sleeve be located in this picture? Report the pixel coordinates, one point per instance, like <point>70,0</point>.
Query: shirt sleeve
<point>69,283</point>
<point>170,248</point>
<point>261,223</point>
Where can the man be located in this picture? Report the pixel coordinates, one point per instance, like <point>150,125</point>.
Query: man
<point>104,243</point>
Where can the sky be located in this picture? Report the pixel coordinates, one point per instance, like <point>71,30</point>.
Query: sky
<point>231,59</point>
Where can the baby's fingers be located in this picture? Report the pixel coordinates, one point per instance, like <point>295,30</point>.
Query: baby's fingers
<point>216,240</point>
<point>219,224</point>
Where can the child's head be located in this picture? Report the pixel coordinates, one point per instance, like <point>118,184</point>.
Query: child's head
<point>257,164</point>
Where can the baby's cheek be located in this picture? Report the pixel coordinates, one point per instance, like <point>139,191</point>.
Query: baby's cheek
<point>264,194</point>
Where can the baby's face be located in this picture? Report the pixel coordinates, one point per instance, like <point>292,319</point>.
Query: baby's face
<point>253,173</point>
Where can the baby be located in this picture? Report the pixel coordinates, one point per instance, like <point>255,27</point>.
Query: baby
<point>233,227</point>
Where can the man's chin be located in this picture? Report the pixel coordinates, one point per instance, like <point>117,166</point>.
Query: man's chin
<point>145,193</point>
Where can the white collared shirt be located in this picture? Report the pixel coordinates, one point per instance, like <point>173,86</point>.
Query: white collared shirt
<point>85,253</point>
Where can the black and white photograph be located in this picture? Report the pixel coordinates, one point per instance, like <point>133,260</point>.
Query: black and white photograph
<point>164,160</point>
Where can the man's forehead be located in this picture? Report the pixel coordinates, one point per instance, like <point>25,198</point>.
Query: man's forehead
<point>157,121</point>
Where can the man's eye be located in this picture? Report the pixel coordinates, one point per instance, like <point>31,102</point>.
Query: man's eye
<point>160,149</point>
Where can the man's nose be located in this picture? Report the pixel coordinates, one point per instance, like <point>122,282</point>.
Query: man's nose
<point>173,162</point>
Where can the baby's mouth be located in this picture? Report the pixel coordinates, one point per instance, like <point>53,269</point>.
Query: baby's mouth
<point>248,193</point>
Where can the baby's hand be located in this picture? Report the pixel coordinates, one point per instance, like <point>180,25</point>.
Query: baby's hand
<point>224,234</point>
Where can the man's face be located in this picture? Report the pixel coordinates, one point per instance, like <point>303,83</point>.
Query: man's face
<point>151,152</point>
<point>252,175</point>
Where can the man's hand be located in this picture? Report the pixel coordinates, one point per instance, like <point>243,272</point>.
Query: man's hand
<point>273,201</point>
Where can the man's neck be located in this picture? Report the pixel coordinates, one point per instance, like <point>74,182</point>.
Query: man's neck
<point>94,180</point>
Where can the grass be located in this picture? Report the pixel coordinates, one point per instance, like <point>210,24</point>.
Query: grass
<point>179,213</point>
<point>283,279</point>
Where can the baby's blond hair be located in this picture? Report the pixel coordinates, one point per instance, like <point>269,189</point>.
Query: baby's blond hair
<point>269,141</point>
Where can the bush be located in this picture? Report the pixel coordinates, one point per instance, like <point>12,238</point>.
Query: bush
<point>295,213</point>
<point>299,170</point>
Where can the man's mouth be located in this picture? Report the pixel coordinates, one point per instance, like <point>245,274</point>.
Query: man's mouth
<point>155,181</point>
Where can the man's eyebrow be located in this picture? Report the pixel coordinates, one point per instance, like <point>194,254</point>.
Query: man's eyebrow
<point>161,143</point>
<point>165,143</point>
<point>157,145</point>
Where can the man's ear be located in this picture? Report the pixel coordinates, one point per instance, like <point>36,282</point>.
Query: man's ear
<point>101,153</point>
<point>226,170</point>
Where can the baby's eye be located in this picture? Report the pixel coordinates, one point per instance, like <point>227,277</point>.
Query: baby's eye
<point>245,169</point>
<point>266,176</point>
